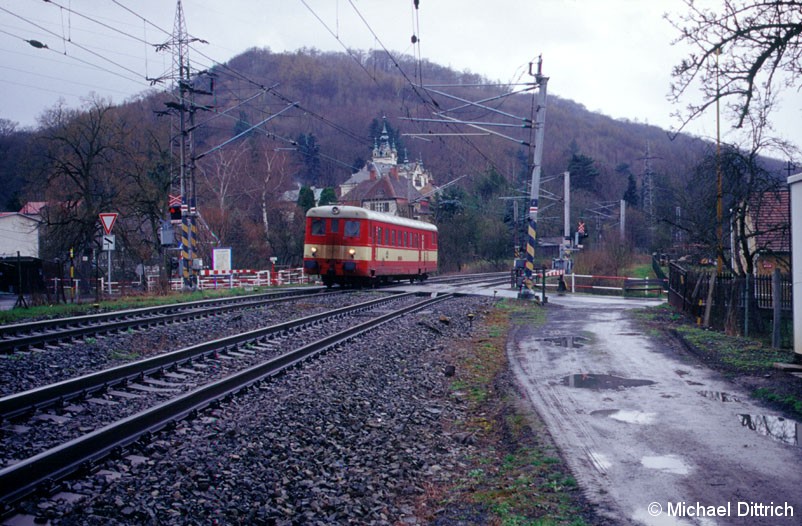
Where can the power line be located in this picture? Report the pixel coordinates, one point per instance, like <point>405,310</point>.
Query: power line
<point>84,48</point>
<point>337,38</point>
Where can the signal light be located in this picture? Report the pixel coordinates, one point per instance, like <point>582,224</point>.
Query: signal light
<point>175,213</point>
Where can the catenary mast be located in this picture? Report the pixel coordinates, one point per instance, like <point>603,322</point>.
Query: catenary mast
<point>537,161</point>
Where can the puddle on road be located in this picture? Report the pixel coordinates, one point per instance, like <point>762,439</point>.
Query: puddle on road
<point>720,396</point>
<point>629,417</point>
<point>569,342</point>
<point>602,381</point>
<point>667,463</point>
<point>775,427</point>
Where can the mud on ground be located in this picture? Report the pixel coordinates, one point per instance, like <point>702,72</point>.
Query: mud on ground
<point>746,362</point>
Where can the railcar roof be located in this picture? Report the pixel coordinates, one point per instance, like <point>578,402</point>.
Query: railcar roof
<point>355,212</point>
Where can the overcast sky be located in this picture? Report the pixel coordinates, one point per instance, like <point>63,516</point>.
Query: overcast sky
<point>612,56</point>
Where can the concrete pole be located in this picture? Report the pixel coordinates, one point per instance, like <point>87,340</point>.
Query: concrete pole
<point>623,225</point>
<point>795,184</point>
<point>567,208</point>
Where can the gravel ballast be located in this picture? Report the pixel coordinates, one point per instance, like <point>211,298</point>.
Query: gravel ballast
<point>355,436</point>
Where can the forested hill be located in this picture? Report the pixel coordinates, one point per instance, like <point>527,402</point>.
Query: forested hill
<point>265,122</point>
<point>346,93</point>
<point>340,98</point>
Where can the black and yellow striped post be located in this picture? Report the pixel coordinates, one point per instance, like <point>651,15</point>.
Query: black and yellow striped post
<point>185,240</point>
<point>531,240</point>
<point>189,243</point>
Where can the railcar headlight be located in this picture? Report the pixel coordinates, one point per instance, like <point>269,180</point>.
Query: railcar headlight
<point>352,251</point>
<point>313,250</point>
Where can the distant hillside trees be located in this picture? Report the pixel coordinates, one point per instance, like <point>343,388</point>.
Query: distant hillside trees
<point>321,141</point>
<point>631,194</point>
<point>309,154</point>
<point>584,174</point>
<point>473,224</point>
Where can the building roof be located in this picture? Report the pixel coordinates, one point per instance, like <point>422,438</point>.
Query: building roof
<point>769,215</point>
<point>389,187</point>
<point>32,208</point>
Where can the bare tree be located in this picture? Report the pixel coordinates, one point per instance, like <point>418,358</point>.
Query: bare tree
<point>740,53</point>
<point>81,178</point>
<point>270,179</point>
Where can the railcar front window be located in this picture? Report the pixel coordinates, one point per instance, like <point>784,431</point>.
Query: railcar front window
<point>318,227</point>
<point>335,225</point>
<point>351,229</point>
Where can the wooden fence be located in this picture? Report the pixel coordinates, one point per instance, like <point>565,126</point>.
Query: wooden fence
<point>756,306</point>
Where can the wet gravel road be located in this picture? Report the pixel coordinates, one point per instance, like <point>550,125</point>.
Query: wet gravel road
<point>653,436</point>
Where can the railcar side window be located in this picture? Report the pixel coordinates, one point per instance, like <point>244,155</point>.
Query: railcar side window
<point>318,227</point>
<point>351,229</point>
<point>335,225</point>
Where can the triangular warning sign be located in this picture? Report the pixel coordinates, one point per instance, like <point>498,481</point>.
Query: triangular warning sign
<point>107,220</point>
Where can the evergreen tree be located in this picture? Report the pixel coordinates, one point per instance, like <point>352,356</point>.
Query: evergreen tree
<point>309,150</point>
<point>327,197</point>
<point>631,193</point>
<point>242,125</point>
<point>306,198</point>
<point>583,169</point>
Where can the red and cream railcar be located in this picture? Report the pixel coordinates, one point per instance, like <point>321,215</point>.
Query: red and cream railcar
<point>348,245</point>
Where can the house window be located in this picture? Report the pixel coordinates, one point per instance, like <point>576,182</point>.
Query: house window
<point>380,207</point>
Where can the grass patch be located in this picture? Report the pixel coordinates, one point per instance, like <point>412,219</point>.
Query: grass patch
<point>516,476</point>
<point>639,271</point>
<point>788,402</point>
<point>733,354</point>
<point>738,354</point>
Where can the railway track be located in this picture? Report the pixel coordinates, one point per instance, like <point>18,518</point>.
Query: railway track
<point>41,333</point>
<point>183,367</point>
<point>488,279</point>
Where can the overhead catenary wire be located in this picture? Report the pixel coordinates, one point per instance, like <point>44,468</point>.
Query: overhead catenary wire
<point>79,46</point>
<point>337,38</point>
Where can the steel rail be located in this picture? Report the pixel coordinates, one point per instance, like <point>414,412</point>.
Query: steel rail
<point>465,277</point>
<point>23,478</point>
<point>76,327</point>
<point>21,403</point>
<point>42,325</point>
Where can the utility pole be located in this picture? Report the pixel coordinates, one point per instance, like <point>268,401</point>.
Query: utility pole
<point>185,107</point>
<point>537,156</point>
<point>186,163</point>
